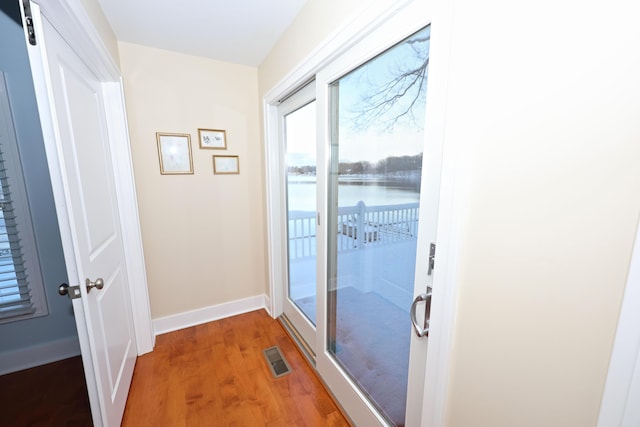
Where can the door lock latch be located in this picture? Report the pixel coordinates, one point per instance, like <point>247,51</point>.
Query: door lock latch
<point>432,259</point>
<point>72,291</point>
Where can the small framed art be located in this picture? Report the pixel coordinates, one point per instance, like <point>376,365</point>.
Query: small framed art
<point>226,165</point>
<point>212,139</point>
<point>174,151</point>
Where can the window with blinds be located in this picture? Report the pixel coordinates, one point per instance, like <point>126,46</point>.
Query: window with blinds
<point>15,297</point>
<point>22,293</point>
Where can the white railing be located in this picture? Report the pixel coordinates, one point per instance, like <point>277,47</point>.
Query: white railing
<point>358,227</point>
<point>302,234</point>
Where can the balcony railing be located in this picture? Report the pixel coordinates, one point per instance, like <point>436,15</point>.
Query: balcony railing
<point>358,227</point>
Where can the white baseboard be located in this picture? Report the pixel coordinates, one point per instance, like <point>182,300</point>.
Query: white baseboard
<point>187,319</point>
<point>25,358</point>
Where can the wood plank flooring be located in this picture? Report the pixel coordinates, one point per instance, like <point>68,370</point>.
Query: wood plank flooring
<point>215,374</point>
<point>49,395</point>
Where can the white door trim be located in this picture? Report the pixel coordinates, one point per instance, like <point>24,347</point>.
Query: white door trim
<point>455,185</point>
<point>619,405</point>
<point>71,20</point>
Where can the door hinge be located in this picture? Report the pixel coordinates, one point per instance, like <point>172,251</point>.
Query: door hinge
<point>31,32</point>
<point>318,217</point>
<point>432,259</point>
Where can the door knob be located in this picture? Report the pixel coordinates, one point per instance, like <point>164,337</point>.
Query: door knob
<point>98,284</point>
<point>63,289</point>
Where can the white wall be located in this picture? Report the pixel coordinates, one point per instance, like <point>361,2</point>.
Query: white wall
<point>202,233</point>
<point>316,22</point>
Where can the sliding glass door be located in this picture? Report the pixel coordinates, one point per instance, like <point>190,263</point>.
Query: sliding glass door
<point>359,184</point>
<point>377,138</point>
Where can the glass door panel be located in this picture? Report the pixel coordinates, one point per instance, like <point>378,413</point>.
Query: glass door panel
<point>300,137</point>
<point>377,138</point>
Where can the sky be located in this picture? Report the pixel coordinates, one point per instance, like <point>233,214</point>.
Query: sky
<point>374,142</point>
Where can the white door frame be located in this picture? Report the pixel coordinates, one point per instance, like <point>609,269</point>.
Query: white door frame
<point>619,405</point>
<point>72,22</point>
<point>452,200</point>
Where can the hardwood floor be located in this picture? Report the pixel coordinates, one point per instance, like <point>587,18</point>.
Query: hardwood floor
<point>215,374</point>
<point>49,395</point>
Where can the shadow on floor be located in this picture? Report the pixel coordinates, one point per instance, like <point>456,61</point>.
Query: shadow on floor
<point>54,394</point>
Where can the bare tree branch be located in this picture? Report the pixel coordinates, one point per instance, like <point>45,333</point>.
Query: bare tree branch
<point>388,103</point>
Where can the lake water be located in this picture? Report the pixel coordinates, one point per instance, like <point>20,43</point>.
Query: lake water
<point>302,194</point>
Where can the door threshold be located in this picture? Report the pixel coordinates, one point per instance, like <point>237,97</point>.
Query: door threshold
<point>307,352</point>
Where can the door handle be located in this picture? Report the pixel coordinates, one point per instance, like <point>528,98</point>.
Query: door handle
<point>63,289</point>
<point>419,330</point>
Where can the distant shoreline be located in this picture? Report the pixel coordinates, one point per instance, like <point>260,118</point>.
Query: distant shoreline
<point>403,181</point>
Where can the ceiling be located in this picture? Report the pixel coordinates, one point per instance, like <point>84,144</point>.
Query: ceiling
<point>237,31</point>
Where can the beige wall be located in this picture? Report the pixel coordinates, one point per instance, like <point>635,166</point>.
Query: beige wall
<point>102,27</point>
<point>316,21</point>
<point>545,103</point>
<point>202,233</point>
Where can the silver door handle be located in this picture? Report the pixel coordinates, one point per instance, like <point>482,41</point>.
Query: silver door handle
<point>421,331</point>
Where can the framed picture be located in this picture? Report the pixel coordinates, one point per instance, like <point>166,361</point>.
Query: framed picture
<point>214,139</point>
<point>174,150</point>
<point>226,164</point>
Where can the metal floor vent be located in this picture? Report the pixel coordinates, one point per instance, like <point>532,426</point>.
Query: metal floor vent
<point>276,361</point>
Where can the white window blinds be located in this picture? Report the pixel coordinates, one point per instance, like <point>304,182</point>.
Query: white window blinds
<point>15,297</point>
<point>21,289</point>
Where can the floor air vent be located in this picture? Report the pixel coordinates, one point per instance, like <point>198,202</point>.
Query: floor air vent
<point>276,362</point>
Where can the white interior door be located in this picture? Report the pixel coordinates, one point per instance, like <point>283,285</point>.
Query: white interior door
<point>88,212</point>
